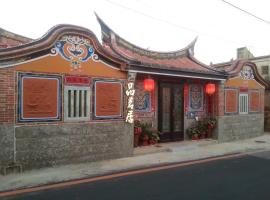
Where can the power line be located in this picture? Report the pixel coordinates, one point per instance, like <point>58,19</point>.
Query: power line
<point>152,17</point>
<point>178,26</point>
<point>247,12</point>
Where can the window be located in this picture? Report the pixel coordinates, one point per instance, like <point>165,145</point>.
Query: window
<point>77,103</point>
<point>243,103</point>
<point>265,70</point>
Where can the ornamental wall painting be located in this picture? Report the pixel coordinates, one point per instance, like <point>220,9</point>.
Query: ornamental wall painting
<point>108,99</point>
<point>246,73</point>
<point>39,98</point>
<point>195,97</point>
<point>76,50</point>
<point>142,99</point>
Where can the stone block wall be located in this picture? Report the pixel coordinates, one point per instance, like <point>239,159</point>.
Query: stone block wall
<point>49,145</point>
<point>6,144</point>
<point>237,127</point>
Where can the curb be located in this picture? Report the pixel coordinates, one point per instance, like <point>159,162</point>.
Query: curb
<point>120,173</point>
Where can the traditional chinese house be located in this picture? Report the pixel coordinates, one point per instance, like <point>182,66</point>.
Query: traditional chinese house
<point>67,98</point>
<point>243,115</point>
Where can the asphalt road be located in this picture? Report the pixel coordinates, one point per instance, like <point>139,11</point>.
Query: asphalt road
<point>246,177</point>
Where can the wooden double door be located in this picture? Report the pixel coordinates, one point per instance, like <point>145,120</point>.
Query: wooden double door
<point>171,111</point>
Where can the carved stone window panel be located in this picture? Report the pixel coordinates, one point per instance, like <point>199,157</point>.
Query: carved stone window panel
<point>76,103</point>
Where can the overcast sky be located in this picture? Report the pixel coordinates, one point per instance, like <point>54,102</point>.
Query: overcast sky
<point>154,24</point>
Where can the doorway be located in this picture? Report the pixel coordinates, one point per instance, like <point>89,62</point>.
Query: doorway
<point>171,112</point>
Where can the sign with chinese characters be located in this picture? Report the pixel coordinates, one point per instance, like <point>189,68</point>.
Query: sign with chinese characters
<point>130,92</point>
<point>108,99</point>
<point>231,96</point>
<point>39,98</point>
<point>254,103</point>
<point>77,80</point>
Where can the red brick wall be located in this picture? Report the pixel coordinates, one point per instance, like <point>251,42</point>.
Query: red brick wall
<point>7,95</point>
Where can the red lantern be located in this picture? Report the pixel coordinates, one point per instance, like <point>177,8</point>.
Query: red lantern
<point>210,88</point>
<point>149,84</point>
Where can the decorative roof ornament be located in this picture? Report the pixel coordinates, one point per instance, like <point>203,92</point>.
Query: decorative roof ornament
<point>74,49</point>
<point>246,73</point>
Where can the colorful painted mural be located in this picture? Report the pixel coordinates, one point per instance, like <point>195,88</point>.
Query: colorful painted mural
<point>74,49</point>
<point>246,73</point>
<point>195,97</point>
<point>142,99</point>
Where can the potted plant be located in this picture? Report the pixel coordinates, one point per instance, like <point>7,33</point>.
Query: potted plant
<point>154,136</point>
<point>193,132</point>
<point>137,132</point>
<point>149,135</point>
<point>202,126</point>
<point>144,137</point>
<point>211,124</point>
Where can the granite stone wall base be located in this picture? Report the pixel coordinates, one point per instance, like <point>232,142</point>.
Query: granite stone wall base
<point>237,127</point>
<point>49,145</point>
<point>6,145</point>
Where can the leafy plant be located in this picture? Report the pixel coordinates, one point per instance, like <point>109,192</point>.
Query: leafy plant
<point>200,128</point>
<point>151,132</point>
<point>212,122</point>
<point>193,131</point>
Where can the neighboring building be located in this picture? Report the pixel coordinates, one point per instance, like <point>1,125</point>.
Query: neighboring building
<point>66,98</point>
<point>262,62</point>
<point>263,66</point>
<point>244,104</point>
<point>9,39</point>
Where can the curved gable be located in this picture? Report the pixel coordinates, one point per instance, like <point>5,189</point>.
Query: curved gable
<point>247,71</point>
<point>75,44</point>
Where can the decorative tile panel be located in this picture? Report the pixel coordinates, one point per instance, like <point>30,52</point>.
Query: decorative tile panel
<point>142,99</point>
<point>195,97</point>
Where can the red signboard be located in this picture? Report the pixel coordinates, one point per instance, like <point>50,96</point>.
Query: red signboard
<point>77,80</point>
<point>243,89</point>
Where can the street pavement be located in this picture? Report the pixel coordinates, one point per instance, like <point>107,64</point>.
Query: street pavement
<point>245,177</point>
<point>144,157</point>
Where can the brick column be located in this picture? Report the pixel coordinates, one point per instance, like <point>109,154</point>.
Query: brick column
<point>7,111</point>
<point>7,93</point>
<point>220,99</point>
<point>219,102</point>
